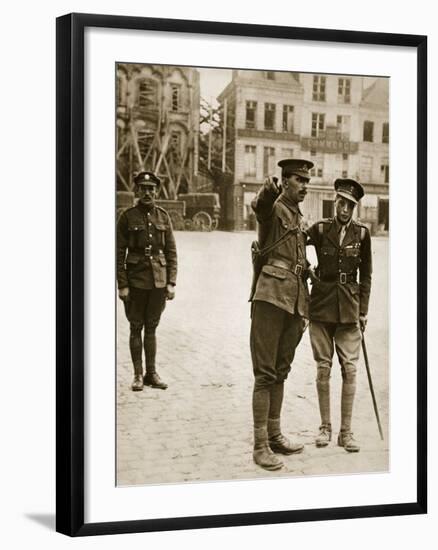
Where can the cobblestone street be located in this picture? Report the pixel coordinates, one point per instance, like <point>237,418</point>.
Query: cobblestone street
<point>200,428</point>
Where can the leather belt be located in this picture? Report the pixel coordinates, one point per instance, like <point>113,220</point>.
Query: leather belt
<point>341,278</point>
<point>147,251</point>
<point>297,269</point>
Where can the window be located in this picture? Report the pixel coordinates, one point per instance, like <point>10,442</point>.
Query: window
<point>345,166</point>
<point>145,139</point>
<point>251,109</point>
<point>270,75</point>
<point>343,126</point>
<point>327,209</point>
<point>269,116</point>
<point>383,214</point>
<point>366,168</point>
<point>147,94</point>
<point>368,129</point>
<point>288,118</point>
<point>317,170</point>
<point>344,88</point>
<point>250,160</point>
<point>318,92</point>
<point>175,145</point>
<point>318,124</point>
<point>384,171</point>
<point>268,161</point>
<point>385,132</point>
<point>176,97</point>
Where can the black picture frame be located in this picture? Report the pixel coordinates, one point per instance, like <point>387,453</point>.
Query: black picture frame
<point>70,273</point>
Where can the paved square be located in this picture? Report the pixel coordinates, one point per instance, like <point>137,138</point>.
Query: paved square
<point>200,428</point>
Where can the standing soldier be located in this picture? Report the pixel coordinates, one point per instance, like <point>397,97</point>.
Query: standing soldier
<point>339,305</point>
<point>279,305</point>
<point>146,274</point>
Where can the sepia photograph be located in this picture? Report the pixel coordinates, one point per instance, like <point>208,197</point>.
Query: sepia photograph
<point>252,274</point>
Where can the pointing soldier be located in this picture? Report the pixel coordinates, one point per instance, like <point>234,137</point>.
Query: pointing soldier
<point>339,305</point>
<point>146,274</point>
<point>279,305</point>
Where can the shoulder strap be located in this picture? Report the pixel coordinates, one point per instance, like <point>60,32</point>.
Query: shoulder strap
<point>286,236</point>
<point>162,210</point>
<point>362,230</point>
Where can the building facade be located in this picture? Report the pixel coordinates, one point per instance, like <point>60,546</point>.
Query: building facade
<point>158,125</point>
<point>338,122</point>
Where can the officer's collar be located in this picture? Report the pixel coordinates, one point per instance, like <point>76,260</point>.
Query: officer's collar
<point>293,206</point>
<point>339,225</point>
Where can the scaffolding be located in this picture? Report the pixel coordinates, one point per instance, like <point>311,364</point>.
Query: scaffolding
<point>157,126</point>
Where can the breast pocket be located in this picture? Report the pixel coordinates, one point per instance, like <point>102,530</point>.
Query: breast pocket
<point>352,258</point>
<point>136,235</point>
<point>161,229</point>
<point>328,251</point>
<point>284,223</point>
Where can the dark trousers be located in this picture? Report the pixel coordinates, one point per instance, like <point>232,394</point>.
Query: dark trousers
<point>144,309</point>
<point>275,334</point>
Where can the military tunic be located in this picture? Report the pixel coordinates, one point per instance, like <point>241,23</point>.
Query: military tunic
<point>338,297</point>
<point>281,296</point>
<point>146,249</point>
<point>281,282</point>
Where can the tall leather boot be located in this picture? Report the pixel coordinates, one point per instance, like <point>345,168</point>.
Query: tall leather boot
<point>262,454</point>
<point>325,429</point>
<point>277,441</point>
<point>345,438</point>
<point>135,348</point>
<point>151,377</point>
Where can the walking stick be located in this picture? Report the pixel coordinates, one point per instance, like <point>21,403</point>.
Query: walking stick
<point>370,382</point>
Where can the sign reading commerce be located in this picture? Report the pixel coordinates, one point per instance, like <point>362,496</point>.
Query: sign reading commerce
<point>328,145</point>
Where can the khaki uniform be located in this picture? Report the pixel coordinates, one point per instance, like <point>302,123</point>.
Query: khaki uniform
<point>146,249</point>
<point>338,297</point>
<point>281,298</point>
<point>146,263</point>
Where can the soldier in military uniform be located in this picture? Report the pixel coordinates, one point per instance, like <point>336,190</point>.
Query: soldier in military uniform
<point>339,305</point>
<point>279,308</point>
<point>146,274</point>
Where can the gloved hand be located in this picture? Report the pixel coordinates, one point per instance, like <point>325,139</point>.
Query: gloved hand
<point>273,185</point>
<point>312,275</point>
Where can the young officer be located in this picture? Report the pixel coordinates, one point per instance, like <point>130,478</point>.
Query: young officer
<point>339,305</point>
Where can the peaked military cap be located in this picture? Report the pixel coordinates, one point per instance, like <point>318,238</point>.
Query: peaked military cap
<point>349,189</point>
<point>295,166</point>
<point>146,178</point>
